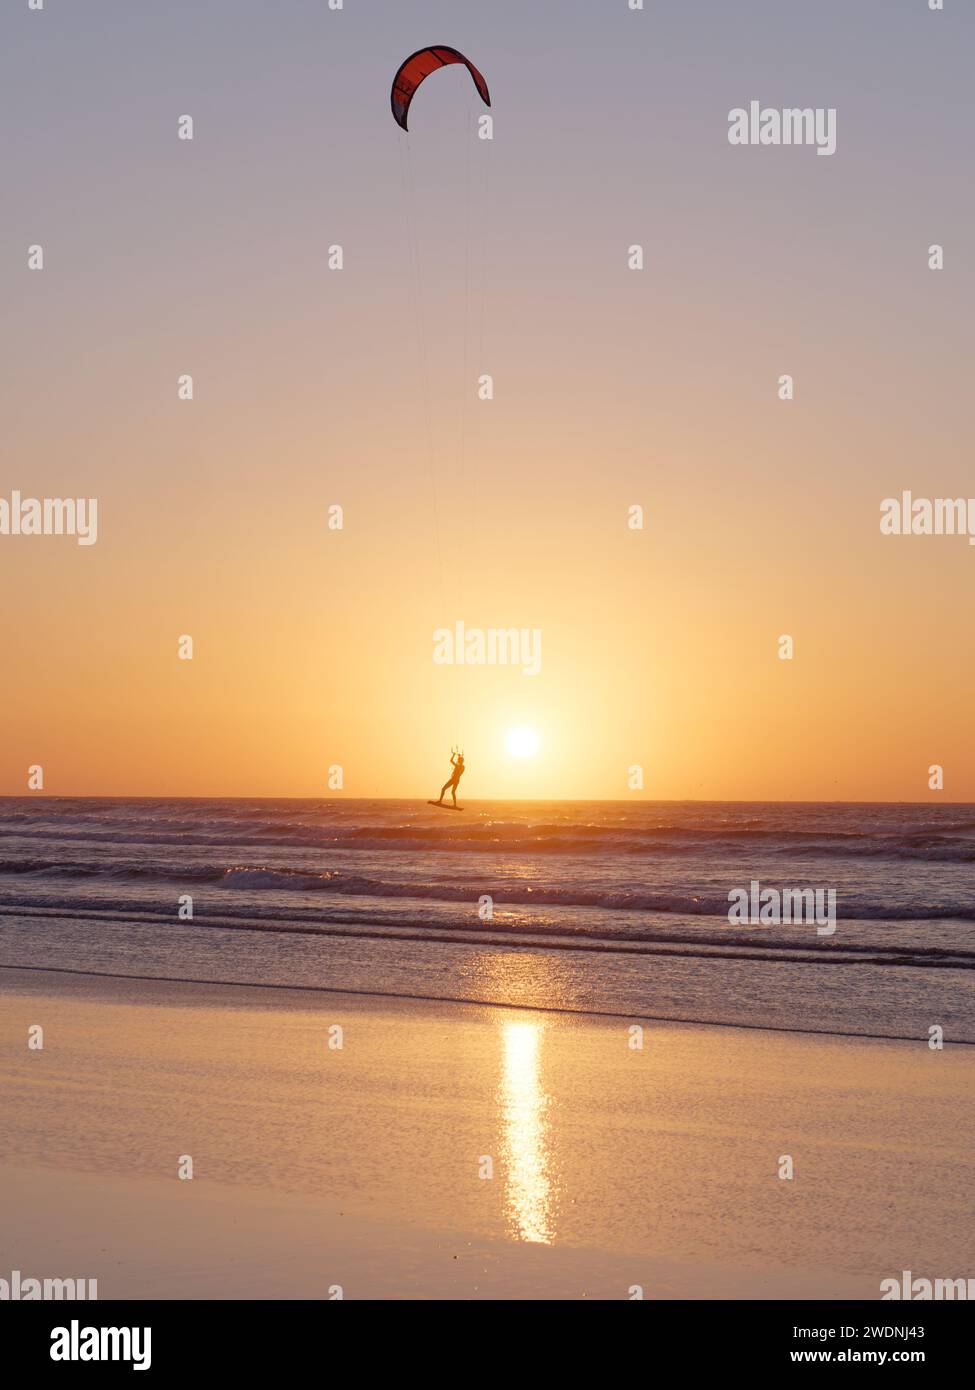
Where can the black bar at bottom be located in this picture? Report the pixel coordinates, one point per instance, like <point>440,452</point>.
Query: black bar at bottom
<point>294,1338</point>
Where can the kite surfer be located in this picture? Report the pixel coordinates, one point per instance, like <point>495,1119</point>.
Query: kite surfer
<point>457,763</point>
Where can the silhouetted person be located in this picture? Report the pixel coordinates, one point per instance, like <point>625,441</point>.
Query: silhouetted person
<point>457,763</point>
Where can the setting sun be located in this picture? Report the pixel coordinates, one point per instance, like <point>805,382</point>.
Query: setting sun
<point>521,742</point>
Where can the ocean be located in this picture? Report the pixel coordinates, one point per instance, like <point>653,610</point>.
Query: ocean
<point>617,908</point>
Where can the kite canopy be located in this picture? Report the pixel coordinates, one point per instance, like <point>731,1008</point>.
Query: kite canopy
<point>420,65</point>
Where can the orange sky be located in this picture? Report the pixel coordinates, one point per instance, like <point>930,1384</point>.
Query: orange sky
<point>612,388</point>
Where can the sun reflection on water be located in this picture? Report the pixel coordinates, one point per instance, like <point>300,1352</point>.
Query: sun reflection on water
<point>528,1197</point>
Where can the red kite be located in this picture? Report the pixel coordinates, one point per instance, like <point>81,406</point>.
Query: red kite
<point>420,65</point>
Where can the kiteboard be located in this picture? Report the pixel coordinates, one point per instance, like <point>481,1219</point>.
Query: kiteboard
<point>444,807</point>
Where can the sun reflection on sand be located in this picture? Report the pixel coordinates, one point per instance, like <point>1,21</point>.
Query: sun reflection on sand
<point>528,1196</point>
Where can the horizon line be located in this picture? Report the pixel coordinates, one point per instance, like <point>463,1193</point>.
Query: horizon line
<point>487,800</point>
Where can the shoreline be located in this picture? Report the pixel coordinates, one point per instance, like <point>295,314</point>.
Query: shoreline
<point>634,1016</point>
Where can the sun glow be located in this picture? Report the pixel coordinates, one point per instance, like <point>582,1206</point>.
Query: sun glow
<point>521,742</point>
